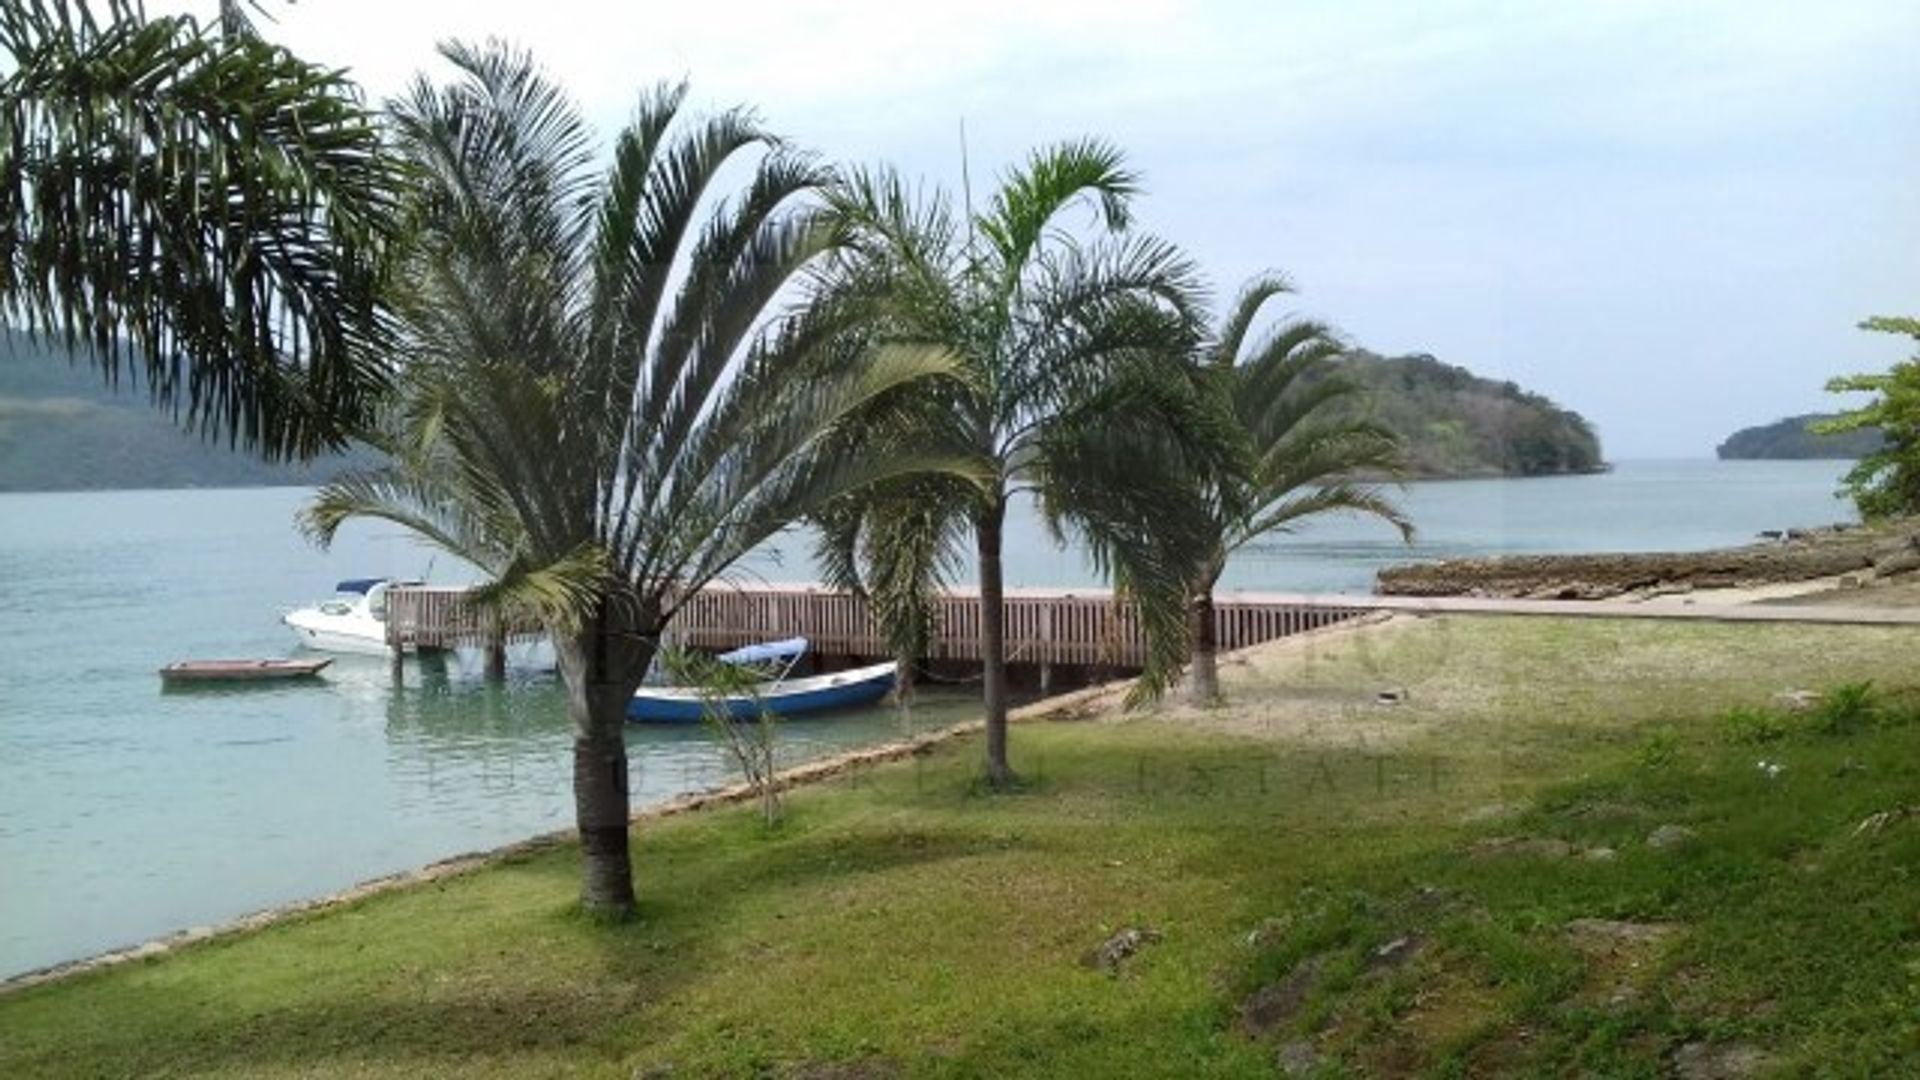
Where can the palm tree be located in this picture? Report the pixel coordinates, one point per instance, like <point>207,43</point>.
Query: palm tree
<point>618,383</point>
<point>1309,448</point>
<point>199,206</point>
<point>1066,342</point>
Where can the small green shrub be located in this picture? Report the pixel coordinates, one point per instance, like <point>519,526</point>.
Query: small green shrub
<point>1746,725</point>
<point>1899,708</point>
<point>1659,750</point>
<point>1847,708</point>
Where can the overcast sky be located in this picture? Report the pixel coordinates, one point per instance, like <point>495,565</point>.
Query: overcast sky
<point>1666,215</point>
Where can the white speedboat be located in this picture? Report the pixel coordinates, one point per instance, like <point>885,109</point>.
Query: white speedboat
<point>353,621</point>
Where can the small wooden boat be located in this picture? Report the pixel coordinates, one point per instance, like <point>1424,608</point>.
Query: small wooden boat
<point>231,671</point>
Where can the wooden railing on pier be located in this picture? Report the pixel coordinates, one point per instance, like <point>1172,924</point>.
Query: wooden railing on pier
<point>443,617</point>
<point>1043,626</point>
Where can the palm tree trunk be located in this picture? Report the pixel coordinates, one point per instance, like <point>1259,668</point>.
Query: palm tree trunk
<point>993,640</point>
<point>1203,671</point>
<point>602,665</point>
<point>601,807</point>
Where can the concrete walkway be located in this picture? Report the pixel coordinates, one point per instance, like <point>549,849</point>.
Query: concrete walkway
<point>1665,607</point>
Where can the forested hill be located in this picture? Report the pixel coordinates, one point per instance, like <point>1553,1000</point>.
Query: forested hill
<point>1791,439</point>
<point>1457,424</point>
<point>63,428</point>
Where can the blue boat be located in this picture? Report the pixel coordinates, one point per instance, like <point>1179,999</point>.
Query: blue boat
<point>778,694</point>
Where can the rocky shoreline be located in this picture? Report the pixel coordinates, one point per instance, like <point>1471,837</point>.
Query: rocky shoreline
<point>1854,556</point>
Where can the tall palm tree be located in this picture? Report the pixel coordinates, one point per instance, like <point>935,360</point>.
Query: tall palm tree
<point>618,383</point>
<point>1067,340</point>
<point>200,206</point>
<point>1311,450</point>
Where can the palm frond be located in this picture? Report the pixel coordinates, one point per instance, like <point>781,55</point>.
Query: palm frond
<point>764,266</point>
<point>505,202</point>
<point>1307,444</point>
<point>202,208</point>
<point>1231,338</point>
<point>1337,497</point>
<point>426,504</point>
<point>897,544</point>
<point>887,220</point>
<point>1118,474</point>
<point>648,347</point>
<point>1030,198</point>
<point>562,593</point>
<point>523,140</point>
<point>792,455</point>
<point>1103,313</point>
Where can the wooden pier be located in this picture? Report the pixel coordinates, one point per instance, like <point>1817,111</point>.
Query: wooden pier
<point>1075,629</point>
<point>442,617</point>
<point>1075,634</point>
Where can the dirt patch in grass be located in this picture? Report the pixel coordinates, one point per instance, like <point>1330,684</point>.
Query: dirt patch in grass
<point>1277,1005</point>
<point>1620,956</point>
<point>861,1069</point>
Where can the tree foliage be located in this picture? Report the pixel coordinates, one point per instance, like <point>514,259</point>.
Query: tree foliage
<point>1886,482</point>
<point>752,741</point>
<point>200,207</point>
<point>619,379</point>
<point>1290,397</point>
<point>1068,341</point>
<point>1311,447</point>
<point>1454,423</point>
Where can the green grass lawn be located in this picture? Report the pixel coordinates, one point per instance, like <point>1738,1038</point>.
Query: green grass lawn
<point>1339,887</point>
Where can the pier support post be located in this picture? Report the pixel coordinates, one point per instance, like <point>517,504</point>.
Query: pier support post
<point>395,656</point>
<point>496,658</point>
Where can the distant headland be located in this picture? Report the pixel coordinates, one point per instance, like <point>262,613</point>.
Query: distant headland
<point>1793,439</point>
<point>1458,425</point>
<point>62,428</point>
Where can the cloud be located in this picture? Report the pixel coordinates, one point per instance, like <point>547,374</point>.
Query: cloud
<point>1669,216</point>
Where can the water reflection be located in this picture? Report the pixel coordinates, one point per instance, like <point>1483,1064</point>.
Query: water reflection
<point>459,745</point>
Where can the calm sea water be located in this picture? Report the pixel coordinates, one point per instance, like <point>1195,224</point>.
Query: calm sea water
<point>126,812</point>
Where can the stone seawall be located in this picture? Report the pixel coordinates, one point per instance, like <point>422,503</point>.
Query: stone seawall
<point>1803,555</point>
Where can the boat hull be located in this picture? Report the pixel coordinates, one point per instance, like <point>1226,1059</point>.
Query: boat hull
<point>315,632</point>
<point>839,690</point>
<point>240,671</point>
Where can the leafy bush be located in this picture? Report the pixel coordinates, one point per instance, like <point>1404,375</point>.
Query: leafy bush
<point>1659,750</point>
<point>1887,481</point>
<point>1745,725</point>
<point>1847,708</point>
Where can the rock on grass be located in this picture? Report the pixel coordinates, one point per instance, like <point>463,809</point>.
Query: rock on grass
<point>1115,950</point>
<point>1276,1004</point>
<point>1670,836</point>
<point>1708,1061</point>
